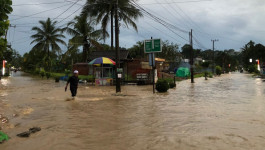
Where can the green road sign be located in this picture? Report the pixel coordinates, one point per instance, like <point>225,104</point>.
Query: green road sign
<point>152,46</point>
<point>120,70</point>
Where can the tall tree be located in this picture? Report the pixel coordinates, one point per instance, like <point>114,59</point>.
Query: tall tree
<point>48,37</point>
<point>169,52</point>
<point>5,9</point>
<point>137,51</point>
<point>84,34</point>
<point>103,10</point>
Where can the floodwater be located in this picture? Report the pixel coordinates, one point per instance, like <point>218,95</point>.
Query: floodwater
<point>226,112</point>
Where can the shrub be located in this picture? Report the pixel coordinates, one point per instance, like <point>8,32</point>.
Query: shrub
<point>257,71</point>
<point>57,79</point>
<point>67,72</point>
<point>172,85</point>
<point>205,64</point>
<point>89,78</point>
<point>218,70</point>
<point>48,75</point>
<point>162,85</point>
<point>42,73</point>
<point>6,74</point>
<point>37,71</point>
<point>199,75</point>
<point>210,75</point>
<point>169,80</point>
<point>252,68</point>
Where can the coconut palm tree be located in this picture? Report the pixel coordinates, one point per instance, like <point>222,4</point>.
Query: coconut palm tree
<point>48,37</point>
<point>84,34</point>
<point>103,10</point>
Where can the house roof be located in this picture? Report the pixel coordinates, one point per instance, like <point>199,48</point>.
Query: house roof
<point>110,54</point>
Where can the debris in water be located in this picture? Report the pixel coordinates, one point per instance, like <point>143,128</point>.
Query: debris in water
<point>4,120</point>
<point>27,133</point>
<point>24,134</point>
<point>34,129</point>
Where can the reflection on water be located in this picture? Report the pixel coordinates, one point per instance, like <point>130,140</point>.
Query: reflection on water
<point>222,113</point>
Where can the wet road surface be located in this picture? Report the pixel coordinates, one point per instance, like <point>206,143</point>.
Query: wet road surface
<point>226,112</point>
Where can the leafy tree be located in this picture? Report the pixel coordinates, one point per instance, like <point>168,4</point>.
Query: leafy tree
<point>13,57</point>
<point>84,34</point>
<point>207,54</point>
<point>47,39</point>
<point>169,52</point>
<point>137,51</point>
<point>104,11</point>
<point>252,51</point>
<point>186,51</point>
<point>5,9</point>
<point>33,59</point>
<point>72,55</point>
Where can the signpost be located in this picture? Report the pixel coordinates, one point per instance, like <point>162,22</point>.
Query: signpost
<point>153,46</point>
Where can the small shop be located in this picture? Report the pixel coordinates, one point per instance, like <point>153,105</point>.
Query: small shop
<point>103,70</point>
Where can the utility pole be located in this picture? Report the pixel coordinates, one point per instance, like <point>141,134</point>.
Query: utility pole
<point>153,67</point>
<point>118,83</point>
<point>191,59</point>
<point>216,40</point>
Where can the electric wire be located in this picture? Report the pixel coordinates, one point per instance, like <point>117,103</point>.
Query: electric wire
<point>39,3</point>
<point>66,10</point>
<point>161,21</point>
<point>173,2</point>
<point>39,12</point>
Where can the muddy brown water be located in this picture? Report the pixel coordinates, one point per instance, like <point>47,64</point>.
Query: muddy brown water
<point>226,112</point>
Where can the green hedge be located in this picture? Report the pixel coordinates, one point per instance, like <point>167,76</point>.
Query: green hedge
<point>162,85</point>
<point>218,70</point>
<point>89,78</point>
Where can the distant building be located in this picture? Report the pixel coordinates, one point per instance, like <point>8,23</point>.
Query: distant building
<point>85,69</point>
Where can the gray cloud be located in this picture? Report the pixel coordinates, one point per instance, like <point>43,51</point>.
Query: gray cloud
<point>233,22</point>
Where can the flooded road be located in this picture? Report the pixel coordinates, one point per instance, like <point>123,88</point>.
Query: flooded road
<point>226,112</point>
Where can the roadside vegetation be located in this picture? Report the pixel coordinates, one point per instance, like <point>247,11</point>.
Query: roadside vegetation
<point>88,32</point>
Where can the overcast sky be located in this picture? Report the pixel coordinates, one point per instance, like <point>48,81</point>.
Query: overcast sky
<point>232,22</point>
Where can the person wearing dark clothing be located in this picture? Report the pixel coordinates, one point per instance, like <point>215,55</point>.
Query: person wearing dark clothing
<point>73,80</point>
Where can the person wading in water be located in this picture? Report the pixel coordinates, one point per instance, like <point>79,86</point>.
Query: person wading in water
<point>73,80</point>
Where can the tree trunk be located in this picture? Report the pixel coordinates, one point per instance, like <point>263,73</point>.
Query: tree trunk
<point>111,24</point>
<point>85,49</point>
<point>49,66</point>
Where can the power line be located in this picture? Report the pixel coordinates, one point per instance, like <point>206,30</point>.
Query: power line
<point>199,43</point>
<point>40,3</point>
<point>188,24</point>
<point>69,16</point>
<point>39,12</point>
<point>35,17</point>
<point>158,16</point>
<point>66,10</point>
<point>168,11</point>
<point>161,21</point>
<point>173,2</point>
